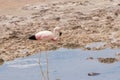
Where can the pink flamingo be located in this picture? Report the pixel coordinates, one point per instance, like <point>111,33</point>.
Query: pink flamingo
<point>47,35</point>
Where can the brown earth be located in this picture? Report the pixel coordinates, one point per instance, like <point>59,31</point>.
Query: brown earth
<point>82,22</point>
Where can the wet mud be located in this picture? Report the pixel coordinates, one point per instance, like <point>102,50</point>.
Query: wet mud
<point>82,23</point>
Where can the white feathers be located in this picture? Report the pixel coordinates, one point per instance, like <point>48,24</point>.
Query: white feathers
<point>47,35</point>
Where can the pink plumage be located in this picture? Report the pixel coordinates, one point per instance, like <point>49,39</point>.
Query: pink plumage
<point>47,35</point>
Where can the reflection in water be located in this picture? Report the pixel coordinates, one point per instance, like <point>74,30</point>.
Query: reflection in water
<point>23,63</point>
<point>64,64</point>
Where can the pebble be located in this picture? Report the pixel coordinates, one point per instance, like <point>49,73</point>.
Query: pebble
<point>93,74</point>
<point>1,61</point>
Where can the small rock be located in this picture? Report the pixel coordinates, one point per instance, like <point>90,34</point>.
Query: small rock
<point>57,18</point>
<point>90,58</point>
<point>93,74</point>
<point>1,61</point>
<point>95,18</point>
<point>119,4</point>
<point>107,60</point>
<point>76,27</point>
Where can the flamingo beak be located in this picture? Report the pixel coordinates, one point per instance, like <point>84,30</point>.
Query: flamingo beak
<point>60,33</point>
<point>32,37</point>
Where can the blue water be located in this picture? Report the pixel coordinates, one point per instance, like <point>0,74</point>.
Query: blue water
<point>64,64</point>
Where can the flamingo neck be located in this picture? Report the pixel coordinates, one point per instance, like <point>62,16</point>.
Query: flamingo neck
<point>56,33</point>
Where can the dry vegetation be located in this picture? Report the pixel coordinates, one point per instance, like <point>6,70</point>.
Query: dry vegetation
<point>82,22</point>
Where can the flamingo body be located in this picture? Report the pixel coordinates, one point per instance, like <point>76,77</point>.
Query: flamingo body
<point>46,35</point>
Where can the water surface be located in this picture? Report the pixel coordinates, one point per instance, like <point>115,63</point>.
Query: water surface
<point>64,64</point>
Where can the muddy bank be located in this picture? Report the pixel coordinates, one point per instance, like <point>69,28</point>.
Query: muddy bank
<point>82,22</point>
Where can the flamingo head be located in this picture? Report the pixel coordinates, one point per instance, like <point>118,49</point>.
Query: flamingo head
<point>57,28</point>
<point>32,37</point>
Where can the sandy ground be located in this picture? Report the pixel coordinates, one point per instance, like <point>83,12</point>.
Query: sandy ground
<point>82,22</point>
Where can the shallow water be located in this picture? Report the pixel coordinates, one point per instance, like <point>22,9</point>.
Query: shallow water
<point>95,45</point>
<point>64,64</point>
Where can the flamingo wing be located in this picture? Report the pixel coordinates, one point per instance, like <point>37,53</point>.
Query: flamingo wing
<point>44,35</point>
